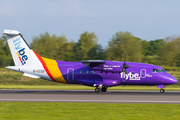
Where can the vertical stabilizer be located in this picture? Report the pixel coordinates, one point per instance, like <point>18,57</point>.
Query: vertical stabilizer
<point>20,50</point>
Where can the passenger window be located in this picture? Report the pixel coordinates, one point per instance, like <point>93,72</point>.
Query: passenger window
<point>162,70</point>
<point>80,71</point>
<point>87,71</point>
<point>155,71</point>
<point>93,71</point>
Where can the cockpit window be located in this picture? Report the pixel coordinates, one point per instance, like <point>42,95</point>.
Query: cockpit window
<point>162,70</point>
<point>155,71</point>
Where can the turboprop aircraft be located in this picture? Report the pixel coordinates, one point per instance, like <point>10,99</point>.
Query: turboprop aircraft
<point>100,74</point>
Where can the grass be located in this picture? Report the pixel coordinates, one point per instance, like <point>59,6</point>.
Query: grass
<point>87,111</point>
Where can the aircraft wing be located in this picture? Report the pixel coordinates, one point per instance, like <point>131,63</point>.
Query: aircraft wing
<point>102,65</point>
<point>92,63</point>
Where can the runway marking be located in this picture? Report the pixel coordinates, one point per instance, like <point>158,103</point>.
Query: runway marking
<point>98,101</point>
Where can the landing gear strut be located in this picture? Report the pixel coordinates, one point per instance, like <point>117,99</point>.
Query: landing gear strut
<point>162,90</point>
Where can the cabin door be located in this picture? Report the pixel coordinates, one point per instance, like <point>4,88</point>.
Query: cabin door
<point>143,73</point>
<point>70,74</point>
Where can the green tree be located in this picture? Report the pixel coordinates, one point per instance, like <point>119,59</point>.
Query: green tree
<point>124,45</point>
<point>5,55</point>
<point>86,47</point>
<point>170,51</point>
<point>53,47</point>
<point>151,59</point>
<point>151,50</point>
<point>152,47</point>
<point>69,54</point>
<point>155,46</point>
<point>145,47</point>
<point>178,60</point>
<point>96,53</point>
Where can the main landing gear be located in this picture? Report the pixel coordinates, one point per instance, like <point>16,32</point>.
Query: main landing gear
<point>162,90</point>
<point>97,89</point>
<point>103,89</point>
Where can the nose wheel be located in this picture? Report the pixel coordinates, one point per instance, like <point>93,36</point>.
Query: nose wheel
<point>162,90</point>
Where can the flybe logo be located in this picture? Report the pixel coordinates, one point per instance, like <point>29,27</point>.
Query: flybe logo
<point>135,76</point>
<point>21,51</point>
<point>130,76</point>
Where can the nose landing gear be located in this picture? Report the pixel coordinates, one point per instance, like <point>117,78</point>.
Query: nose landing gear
<point>162,90</point>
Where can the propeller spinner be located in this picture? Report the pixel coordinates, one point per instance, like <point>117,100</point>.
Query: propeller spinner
<point>125,66</point>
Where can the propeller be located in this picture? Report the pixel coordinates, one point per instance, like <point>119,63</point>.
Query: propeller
<point>125,66</point>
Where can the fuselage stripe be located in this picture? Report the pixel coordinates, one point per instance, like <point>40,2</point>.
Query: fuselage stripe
<point>45,67</point>
<point>54,69</point>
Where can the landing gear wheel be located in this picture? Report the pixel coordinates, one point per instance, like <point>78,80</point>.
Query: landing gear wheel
<point>103,89</point>
<point>97,90</point>
<point>162,90</point>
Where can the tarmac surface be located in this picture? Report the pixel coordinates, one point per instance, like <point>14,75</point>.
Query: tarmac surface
<point>111,96</point>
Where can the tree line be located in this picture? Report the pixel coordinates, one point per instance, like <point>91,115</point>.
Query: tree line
<point>122,46</point>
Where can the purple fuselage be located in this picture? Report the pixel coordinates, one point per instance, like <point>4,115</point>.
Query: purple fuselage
<point>110,74</point>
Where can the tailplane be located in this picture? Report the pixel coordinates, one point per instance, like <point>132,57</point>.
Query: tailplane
<point>20,50</point>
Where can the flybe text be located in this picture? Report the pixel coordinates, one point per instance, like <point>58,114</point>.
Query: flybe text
<point>20,51</point>
<point>130,76</point>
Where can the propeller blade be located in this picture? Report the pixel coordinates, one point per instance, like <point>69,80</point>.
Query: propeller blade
<point>125,66</point>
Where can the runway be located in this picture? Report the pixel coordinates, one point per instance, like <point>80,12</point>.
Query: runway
<point>111,96</point>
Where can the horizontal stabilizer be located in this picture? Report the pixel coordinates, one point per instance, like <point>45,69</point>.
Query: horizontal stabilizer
<point>11,32</point>
<point>30,75</point>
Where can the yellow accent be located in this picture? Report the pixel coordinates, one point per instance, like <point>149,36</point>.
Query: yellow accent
<point>17,54</point>
<point>54,70</point>
<point>114,82</point>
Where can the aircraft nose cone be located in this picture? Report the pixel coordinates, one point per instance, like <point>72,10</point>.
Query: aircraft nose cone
<point>172,80</point>
<point>169,79</point>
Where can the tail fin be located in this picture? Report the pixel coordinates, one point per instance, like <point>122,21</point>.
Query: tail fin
<point>20,50</point>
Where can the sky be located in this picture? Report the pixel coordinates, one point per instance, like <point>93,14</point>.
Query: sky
<point>146,19</point>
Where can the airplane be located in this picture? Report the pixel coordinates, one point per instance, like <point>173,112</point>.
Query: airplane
<point>100,74</point>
